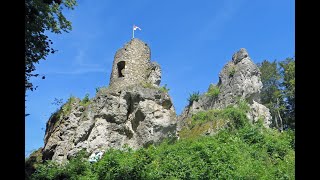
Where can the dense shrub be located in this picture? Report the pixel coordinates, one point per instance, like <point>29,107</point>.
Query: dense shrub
<point>241,151</point>
<point>261,154</point>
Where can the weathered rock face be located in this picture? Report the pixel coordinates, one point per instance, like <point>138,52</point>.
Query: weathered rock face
<point>155,74</point>
<point>135,116</point>
<point>134,111</point>
<point>258,110</point>
<point>125,113</point>
<point>239,78</point>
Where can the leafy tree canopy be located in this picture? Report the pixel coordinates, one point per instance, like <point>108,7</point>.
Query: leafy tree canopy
<point>42,16</point>
<point>278,92</point>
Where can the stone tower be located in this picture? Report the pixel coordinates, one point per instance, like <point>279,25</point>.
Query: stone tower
<point>132,65</point>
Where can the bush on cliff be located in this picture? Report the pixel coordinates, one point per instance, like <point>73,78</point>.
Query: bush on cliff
<point>240,151</point>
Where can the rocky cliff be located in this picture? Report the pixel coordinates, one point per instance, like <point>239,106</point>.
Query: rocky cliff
<point>239,78</point>
<point>135,111</point>
<point>136,114</point>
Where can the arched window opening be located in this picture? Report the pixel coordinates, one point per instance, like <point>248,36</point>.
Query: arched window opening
<point>121,65</point>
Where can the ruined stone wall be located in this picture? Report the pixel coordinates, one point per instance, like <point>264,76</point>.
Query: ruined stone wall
<point>136,57</point>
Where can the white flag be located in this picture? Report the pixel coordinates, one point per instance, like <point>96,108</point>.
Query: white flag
<point>136,27</point>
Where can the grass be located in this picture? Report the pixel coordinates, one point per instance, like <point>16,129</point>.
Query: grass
<point>85,101</point>
<point>195,96</point>
<point>164,89</point>
<point>213,91</point>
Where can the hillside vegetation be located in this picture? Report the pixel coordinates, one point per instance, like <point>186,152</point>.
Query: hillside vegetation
<point>238,150</point>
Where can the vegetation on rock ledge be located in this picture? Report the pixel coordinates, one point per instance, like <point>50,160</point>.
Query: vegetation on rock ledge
<point>193,97</point>
<point>213,91</point>
<point>239,151</point>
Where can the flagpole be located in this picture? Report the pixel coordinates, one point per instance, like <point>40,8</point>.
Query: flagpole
<point>132,32</point>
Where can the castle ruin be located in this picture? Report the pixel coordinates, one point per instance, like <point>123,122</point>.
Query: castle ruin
<point>132,65</point>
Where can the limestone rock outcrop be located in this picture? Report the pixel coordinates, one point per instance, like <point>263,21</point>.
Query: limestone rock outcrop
<point>125,113</point>
<point>136,116</point>
<point>135,111</point>
<point>155,74</point>
<point>239,78</point>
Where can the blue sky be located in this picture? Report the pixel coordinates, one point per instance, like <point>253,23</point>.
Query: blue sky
<point>191,39</point>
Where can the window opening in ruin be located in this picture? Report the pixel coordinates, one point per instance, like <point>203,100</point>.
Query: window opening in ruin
<point>121,66</point>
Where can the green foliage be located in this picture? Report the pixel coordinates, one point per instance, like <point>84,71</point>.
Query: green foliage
<point>278,92</point>
<point>232,117</point>
<point>33,162</point>
<point>77,168</point>
<point>242,104</point>
<point>205,116</point>
<point>66,108</point>
<point>164,89</point>
<point>270,78</point>
<point>63,111</point>
<point>41,16</point>
<point>239,150</point>
<point>250,152</point>
<point>196,130</point>
<point>85,101</point>
<point>193,97</point>
<point>213,91</point>
<point>231,70</point>
<point>236,115</point>
<point>287,72</point>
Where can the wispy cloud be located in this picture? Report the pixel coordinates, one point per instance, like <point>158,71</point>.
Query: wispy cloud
<point>214,28</point>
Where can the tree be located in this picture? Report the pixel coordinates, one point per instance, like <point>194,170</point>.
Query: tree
<point>278,92</point>
<point>42,16</point>
<point>288,84</point>
<point>271,93</point>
